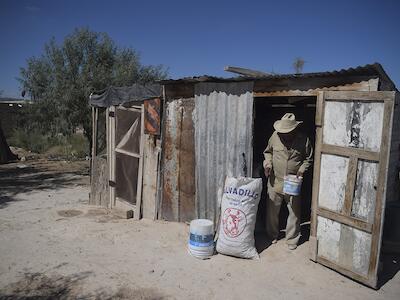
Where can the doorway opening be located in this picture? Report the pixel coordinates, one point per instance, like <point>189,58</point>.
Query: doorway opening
<point>267,110</point>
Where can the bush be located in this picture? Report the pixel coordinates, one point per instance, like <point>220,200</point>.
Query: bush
<point>66,147</point>
<point>33,140</point>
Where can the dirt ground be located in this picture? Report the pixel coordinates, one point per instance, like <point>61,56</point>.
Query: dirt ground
<point>53,245</point>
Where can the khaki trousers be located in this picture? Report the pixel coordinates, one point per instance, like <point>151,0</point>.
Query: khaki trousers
<point>293,204</point>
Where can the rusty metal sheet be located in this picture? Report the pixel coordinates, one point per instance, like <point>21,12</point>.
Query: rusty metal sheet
<point>223,140</point>
<point>152,108</point>
<point>178,201</point>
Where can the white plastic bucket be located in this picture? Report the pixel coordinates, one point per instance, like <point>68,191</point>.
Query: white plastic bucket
<point>201,238</point>
<point>292,185</point>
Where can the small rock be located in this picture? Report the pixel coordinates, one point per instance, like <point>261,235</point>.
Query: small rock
<point>23,158</point>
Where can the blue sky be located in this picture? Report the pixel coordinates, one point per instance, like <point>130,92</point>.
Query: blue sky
<point>201,37</point>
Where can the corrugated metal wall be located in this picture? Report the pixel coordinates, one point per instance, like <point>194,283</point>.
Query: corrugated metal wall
<point>223,140</point>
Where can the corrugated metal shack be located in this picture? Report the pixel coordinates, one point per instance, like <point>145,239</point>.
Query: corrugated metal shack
<point>169,153</point>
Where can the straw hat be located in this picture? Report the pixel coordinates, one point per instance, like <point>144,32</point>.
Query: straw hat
<point>287,124</point>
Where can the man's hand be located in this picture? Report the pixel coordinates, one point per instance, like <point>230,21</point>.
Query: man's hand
<point>267,171</point>
<point>299,174</point>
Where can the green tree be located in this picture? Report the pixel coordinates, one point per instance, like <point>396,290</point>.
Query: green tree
<point>60,80</point>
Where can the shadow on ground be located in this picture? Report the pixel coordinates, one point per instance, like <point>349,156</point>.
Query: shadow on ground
<point>263,242</point>
<point>4,200</point>
<point>40,286</point>
<point>39,175</point>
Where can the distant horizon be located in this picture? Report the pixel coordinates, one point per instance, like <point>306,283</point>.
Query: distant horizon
<point>195,39</point>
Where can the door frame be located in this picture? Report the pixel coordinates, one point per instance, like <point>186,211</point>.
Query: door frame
<point>382,157</point>
<point>116,202</point>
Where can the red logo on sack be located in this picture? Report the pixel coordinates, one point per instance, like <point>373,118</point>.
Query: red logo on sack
<point>233,221</point>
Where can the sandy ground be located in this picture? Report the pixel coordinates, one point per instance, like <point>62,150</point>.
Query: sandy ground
<point>55,246</point>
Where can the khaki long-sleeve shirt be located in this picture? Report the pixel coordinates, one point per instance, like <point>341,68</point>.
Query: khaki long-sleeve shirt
<point>284,161</point>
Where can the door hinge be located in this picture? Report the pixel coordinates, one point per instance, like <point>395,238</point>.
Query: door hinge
<point>111,114</point>
<point>111,183</point>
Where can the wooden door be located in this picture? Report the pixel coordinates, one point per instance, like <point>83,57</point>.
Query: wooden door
<point>350,173</point>
<point>126,157</point>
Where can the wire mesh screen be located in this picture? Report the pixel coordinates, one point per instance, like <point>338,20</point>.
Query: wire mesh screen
<point>127,136</point>
<point>126,173</point>
<point>127,151</point>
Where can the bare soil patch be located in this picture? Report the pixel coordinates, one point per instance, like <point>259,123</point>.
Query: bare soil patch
<point>53,245</point>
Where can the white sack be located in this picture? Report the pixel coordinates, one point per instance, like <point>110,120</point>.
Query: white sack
<point>238,217</point>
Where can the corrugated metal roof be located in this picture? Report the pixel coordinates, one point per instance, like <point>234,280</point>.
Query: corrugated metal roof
<point>372,70</point>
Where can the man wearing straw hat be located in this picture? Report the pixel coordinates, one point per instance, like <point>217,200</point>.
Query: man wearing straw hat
<point>289,151</point>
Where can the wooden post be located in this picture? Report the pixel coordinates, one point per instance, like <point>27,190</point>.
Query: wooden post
<point>137,215</point>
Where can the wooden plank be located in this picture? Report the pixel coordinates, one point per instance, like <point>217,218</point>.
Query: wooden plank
<point>111,127</point>
<point>150,156</point>
<point>319,113</point>
<point>99,194</point>
<point>350,152</point>
<point>94,127</point>
<point>161,155</point>
<point>368,85</point>
<point>108,143</point>
<point>246,72</point>
<point>359,96</point>
<point>316,180</point>
<point>127,152</point>
<point>311,93</point>
<point>381,188</point>
<point>138,212</point>
<point>351,182</point>
<point>93,153</point>
<point>130,108</point>
<point>347,220</point>
<point>96,122</point>
<point>122,213</point>
<point>324,261</point>
<point>313,246</point>
<point>319,116</point>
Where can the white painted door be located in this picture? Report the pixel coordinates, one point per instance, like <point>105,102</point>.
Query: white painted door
<point>350,173</point>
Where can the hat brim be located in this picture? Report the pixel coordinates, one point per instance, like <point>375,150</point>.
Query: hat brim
<point>279,129</point>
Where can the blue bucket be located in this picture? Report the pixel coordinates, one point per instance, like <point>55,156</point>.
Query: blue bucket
<point>292,185</point>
